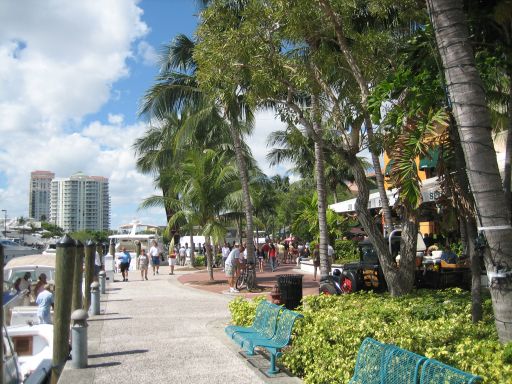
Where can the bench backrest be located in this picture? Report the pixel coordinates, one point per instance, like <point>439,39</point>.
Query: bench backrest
<point>265,318</point>
<point>285,327</point>
<point>435,372</point>
<point>268,321</point>
<point>401,366</point>
<point>370,362</point>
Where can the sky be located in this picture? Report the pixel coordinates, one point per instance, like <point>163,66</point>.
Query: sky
<point>72,74</point>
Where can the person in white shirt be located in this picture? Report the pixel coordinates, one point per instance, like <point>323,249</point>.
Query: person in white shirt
<point>155,256</point>
<point>230,268</point>
<point>181,255</point>
<point>188,254</point>
<point>225,254</point>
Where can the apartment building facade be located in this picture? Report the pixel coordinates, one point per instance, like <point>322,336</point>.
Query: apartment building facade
<point>80,202</point>
<point>39,195</point>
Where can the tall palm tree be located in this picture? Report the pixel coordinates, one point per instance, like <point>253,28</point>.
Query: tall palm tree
<point>467,96</point>
<point>177,88</point>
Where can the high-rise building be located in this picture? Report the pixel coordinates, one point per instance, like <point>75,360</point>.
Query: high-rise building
<point>80,202</point>
<point>39,195</point>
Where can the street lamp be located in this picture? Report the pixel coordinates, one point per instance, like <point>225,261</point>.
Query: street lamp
<point>5,221</point>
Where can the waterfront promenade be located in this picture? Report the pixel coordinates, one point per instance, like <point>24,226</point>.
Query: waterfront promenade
<point>162,331</point>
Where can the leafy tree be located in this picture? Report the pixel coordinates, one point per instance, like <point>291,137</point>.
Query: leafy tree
<point>53,230</point>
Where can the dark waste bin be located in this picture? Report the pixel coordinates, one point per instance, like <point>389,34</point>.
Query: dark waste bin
<point>291,290</point>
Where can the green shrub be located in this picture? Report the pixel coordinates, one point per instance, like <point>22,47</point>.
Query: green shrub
<point>436,324</point>
<point>199,261</point>
<point>345,251</point>
<point>242,311</point>
<point>507,353</point>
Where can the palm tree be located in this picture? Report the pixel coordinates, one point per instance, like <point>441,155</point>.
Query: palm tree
<point>177,88</point>
<point>208,180</point>
<point>467,96</point>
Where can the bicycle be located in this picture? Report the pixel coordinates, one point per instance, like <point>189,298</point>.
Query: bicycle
<point>247,277</point>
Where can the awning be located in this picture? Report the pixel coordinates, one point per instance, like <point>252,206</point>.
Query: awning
<point>430,191</point>
<point>430,161</point>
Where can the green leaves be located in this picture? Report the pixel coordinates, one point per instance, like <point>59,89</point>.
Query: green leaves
<point>436,324</point>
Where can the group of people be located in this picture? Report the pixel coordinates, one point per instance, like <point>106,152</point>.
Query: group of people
<point>41,293</point>
<point>144,260</point>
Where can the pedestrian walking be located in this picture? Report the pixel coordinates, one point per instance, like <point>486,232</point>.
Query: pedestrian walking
<point>143,264</point>
<point>260,255</point>
<point>182,254</point>
<point>272,256</point>
<point>225,253</point>
<point>172,260</point>
<point>124,263</point>
<point>155,257</point>
<point>188,254</point>
<point>316,260</point>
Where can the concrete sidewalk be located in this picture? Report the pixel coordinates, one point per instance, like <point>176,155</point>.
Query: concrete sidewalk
<point>161,331</point>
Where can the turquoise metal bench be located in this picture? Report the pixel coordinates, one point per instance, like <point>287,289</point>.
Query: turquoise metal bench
<point>370,362</point>
<point>264,322</point>
<point>379,363</point>
<point>279,340</point>
<point>402,366</point>
<point>435,372</point>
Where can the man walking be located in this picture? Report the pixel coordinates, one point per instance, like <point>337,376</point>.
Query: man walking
<point>124,263</point>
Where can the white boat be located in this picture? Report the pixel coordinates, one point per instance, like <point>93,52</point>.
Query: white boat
<point>33,345</point>
<point>128,241</point>
<point>35,264</point>
<point>13,250</point>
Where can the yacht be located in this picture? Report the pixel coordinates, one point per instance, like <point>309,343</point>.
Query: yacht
<point>13,250</point>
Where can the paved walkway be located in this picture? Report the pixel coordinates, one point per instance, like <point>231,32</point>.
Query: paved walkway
<point>161,331</point>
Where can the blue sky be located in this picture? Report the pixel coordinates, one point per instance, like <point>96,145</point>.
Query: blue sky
<point>72,75</point>
<point>166,19</point>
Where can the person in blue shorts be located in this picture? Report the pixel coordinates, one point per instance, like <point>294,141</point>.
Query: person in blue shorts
<point>155,256</point>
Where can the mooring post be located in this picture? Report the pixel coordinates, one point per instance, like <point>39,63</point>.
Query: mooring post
<point>90,254</point>
<point>138,247</point>
<point>79,339</point>
<point>78,277</point>
<point>102,278</point>
<point>64,270</point>
<point>95,298</point>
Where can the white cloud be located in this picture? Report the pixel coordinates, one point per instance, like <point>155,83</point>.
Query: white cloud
<point>58,61</point>
<point>148,53</point>
<point>266,122</point>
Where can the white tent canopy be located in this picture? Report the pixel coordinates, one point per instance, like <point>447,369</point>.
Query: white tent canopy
<point>429,192</point>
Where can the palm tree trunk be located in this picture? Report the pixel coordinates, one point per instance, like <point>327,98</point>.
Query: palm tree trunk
<point>507,177</point>
<point>320,188</point>
<point>474,125</point>
<point>468,227</point>
<point>244,179</point>
<point>209,258</point>
<point>364,94</point>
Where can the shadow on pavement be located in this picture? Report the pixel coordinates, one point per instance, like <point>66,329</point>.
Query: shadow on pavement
<point>120,353</point>
<point>102,365</point>
<point>112,318</point>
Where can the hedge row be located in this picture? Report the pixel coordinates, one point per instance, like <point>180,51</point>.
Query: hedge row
<point>436,324</point>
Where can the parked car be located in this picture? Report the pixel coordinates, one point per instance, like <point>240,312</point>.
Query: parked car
<point>366,274</point>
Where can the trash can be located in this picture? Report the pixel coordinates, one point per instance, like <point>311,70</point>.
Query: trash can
<point>291,290</point>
